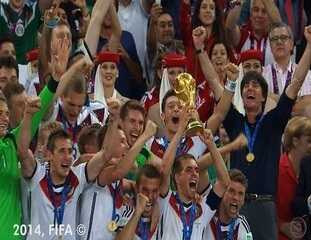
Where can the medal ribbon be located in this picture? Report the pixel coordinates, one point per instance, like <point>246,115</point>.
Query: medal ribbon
<point>144,230</point>
<point>275,82</point>
<point>252,137</point>
<point>68,126</point>
<point>114,192</point>
<point>230,232</point>
<point>187,225</point>
<point>58,211</point>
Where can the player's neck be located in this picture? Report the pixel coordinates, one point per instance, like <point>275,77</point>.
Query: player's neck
<point>184,198</point>
<point>109,92</point>
<point>223,217</point>
<point>252,114</point>
<point>283,62</point>
<point>56,179</point>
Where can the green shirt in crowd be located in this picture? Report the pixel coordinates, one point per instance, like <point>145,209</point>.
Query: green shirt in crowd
<point>10,172</point>
<point>22,27</point>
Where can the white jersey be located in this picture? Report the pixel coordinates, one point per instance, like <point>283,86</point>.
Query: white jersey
<point>94,112</point>
<point>191,145</point>
<point>241,229</point>
<point>42,209</point>
<point>155,235</point>
<point>96,212</point>
<point>171,225</point>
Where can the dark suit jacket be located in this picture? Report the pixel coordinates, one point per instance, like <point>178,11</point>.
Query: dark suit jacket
<point>300,206</point>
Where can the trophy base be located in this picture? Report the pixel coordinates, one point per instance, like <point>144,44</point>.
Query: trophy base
<point>194,127</point>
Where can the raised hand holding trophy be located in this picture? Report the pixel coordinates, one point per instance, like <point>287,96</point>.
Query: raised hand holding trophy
<point>185,90</point>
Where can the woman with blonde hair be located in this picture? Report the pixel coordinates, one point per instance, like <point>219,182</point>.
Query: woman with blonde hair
<point>297,145</point>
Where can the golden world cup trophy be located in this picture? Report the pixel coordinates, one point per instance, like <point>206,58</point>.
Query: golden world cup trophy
<point>186,91</point>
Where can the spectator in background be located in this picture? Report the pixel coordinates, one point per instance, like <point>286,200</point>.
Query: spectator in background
<point>161,39</point>
<point>8,71</point>
<point>254,34</point>
<point>133,16</point>
<point>16,98</point>
<point>208,15</point>
<point>29,75</point>
<point>21,19</point>
<point>279,73</point>
<point>106,75</point>
<point>297,145</point>
<point>104,33</point>
<point>7,47</point>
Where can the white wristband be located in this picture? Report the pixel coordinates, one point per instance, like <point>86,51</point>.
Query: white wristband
<point>230,85</point>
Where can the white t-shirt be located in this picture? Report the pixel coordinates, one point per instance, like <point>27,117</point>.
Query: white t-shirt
<point>171,225</point>
<point>96,212</point>
<point>42,209</point>
<point>241,229</point>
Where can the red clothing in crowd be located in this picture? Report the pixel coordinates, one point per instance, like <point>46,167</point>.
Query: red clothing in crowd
<point>287,184</point>
<point>193,66</point>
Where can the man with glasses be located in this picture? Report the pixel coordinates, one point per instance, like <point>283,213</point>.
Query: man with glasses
<point>279,73</point>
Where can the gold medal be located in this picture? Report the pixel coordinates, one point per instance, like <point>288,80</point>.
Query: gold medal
<point>250,157</point>
<point>112,226</point>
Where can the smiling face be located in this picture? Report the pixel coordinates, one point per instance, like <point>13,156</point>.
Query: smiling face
<point>207,12</point>
<point>187,179</point>
<point>61,157</point>
<point>259,17</point>
<point>219,57</point>
<point>109,73</point>
<point>133,125</point>
<point>252,96</point>
<point>171,114</point>
<point>233,199</point>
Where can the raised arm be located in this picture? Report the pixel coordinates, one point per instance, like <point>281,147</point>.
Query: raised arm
<point>170,153</point>
<point>199,35</point>
<point>302,68</point>
<point>128,232</point>
<point>224,104</point>
<point>223,179</point>
<point>207,159</point>
<point>27,160</point>
<point>232,28</point>
<point>119,170</point>
<point>152,33</point>
<point>100,10</point>
<point>272,11</point>
<point>116,29</point>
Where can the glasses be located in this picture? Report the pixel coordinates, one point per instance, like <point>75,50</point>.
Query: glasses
<point>283,38</point>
